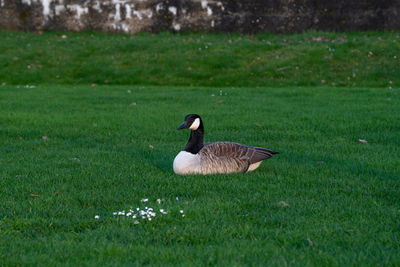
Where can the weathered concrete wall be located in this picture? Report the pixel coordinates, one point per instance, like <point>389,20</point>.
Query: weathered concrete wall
<point>133,16</point>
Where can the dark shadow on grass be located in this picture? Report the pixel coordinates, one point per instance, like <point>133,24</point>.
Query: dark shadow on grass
<point>159,159</point>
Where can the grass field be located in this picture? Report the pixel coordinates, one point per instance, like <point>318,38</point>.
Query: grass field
<point>70,151</point>
<point>367,59</point>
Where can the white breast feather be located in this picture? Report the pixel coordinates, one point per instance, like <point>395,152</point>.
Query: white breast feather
<point>186,163</point>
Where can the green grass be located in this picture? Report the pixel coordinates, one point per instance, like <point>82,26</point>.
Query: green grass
<point>343,195</point>
<point>370,59</point>
<point>88,127</point>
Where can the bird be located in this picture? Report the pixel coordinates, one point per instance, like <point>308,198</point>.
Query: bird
<point>218,157</point>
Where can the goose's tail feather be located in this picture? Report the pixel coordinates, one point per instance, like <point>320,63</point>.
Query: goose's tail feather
<point>261,154</point>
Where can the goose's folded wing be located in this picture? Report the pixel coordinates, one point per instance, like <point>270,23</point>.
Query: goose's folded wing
<point>223,158</point>
<point>239,152</point>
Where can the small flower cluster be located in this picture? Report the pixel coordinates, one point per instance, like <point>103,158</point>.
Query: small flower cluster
<point>146,213</point>
<point>139,213</point>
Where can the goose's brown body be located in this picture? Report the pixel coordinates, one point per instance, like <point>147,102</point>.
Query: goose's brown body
<point>227,157</point>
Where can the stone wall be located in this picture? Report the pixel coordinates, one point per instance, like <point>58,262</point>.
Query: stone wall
<point>133,16</point>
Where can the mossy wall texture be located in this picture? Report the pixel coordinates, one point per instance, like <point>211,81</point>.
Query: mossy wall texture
<point>133,16</point>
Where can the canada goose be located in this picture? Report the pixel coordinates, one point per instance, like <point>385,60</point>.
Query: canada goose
<point>218,157</point>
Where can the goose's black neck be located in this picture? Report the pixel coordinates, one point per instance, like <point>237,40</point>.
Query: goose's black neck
<point>195,142</point>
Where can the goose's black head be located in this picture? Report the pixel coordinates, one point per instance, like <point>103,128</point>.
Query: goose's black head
<point>192,122</point>
<point>195,124</point>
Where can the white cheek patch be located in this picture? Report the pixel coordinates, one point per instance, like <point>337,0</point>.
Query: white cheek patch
<point>195,124</point>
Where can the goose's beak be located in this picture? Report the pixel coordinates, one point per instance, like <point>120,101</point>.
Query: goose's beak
<point>182,126</point>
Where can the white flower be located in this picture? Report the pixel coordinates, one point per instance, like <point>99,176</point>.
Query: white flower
<point>134,216</point>
<point>129,214</point>
<point>161,210</point>
<point>158,201</point>
<point>177,198</point>
<point>115,213</point>
<point>97,217</point>
<point>183,215</point>
<point>149,219</point>
<point>145,199</point>
<point>181,211</point>
<point>136,222</point>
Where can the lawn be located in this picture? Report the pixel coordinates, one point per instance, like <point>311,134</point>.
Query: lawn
<point>366,59</point>
<point>75,149</point>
